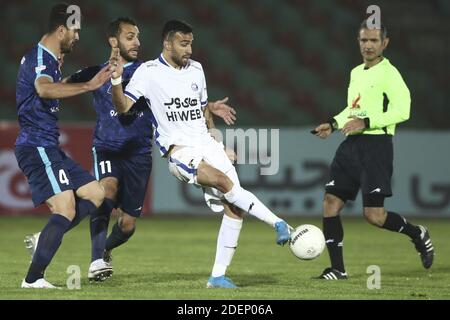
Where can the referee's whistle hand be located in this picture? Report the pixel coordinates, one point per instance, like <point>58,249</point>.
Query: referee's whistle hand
<point>322,131</point>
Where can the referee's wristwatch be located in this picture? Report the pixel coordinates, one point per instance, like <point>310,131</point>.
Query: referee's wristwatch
<point>333,124</point>
<point>367,123</point>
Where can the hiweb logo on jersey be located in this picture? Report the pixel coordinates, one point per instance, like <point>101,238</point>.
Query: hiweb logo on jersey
<point>262,146</point>
<point>177,109</point>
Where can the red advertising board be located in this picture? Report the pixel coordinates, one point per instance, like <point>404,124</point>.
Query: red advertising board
<point>15,197</point>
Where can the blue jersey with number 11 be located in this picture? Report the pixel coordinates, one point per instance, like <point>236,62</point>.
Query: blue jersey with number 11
<point>130,132</point>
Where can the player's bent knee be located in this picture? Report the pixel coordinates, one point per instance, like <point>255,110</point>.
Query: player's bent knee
<point>110,186</point>
<point>63,203</point>
<point>93,192</point>
<point>332,205</point>
<point>98,197</point>
<point>223,183</point>
<point>373,220</point>
<point>127,223</point>
<point>375,216</point>
<point>66,211</point>
<point>212,177</point>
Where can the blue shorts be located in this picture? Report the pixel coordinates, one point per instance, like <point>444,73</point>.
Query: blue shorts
<point>132,172</point>
<point>50,171</point>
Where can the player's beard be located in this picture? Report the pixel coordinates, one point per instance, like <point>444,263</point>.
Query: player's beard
<point>67,45</point>
<point>179,61</point>
<point>125,53</point>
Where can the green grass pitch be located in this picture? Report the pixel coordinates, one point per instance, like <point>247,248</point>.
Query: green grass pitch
<point>171,258</point>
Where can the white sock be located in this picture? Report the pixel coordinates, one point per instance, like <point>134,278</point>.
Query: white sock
<point>247,201</point>
<point>227,241</point>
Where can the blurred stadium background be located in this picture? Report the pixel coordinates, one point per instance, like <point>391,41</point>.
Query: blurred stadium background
<point>284,64</point>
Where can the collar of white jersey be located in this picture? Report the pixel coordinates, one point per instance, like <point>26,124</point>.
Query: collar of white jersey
<point>164,62</point>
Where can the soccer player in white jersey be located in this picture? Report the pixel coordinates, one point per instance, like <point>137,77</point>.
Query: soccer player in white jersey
<point>175,88</point>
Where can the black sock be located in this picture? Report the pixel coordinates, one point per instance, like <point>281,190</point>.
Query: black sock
<point>83,208</point>
<point>397,223</point>
<point>117,237</point>
<point>99,228</point>
<point>49,242</point>
<point>334,234</point>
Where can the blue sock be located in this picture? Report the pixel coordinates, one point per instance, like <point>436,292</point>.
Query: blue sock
<point>49,242</point>
<point>117,237</point>
<point>99,228</point>
<point>82,209</point>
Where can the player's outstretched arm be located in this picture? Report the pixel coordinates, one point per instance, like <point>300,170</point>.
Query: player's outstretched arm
<point>83,75</point>
<point>222,110</point>
<point>47,89</point>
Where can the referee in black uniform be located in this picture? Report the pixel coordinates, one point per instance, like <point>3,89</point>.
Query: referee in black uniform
<point>378,99</point>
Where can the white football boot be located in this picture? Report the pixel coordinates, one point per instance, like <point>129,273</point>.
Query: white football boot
<point>99,270</point>
<point>38,284</point>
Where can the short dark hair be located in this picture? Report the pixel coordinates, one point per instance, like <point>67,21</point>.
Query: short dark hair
<point>58,16</point>
<point>114,26</point>
<point>174,26</point>
<point>383,29</point>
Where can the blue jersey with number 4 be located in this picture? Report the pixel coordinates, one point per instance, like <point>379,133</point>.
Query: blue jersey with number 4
<point>37,116</point>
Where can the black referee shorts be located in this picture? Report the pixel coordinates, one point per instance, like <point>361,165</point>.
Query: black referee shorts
<point>362,162</point>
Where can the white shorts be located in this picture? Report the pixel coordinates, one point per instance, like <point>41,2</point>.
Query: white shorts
<point>184,162</point>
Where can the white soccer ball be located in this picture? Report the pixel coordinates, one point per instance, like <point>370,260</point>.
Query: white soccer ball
<point>307,242</point>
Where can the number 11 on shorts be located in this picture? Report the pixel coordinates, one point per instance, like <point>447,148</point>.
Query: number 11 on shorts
<point>105,166</point>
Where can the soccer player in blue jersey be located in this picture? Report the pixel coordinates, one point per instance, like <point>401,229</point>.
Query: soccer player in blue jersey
<point>69,191</point>
<point>121,153</point>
